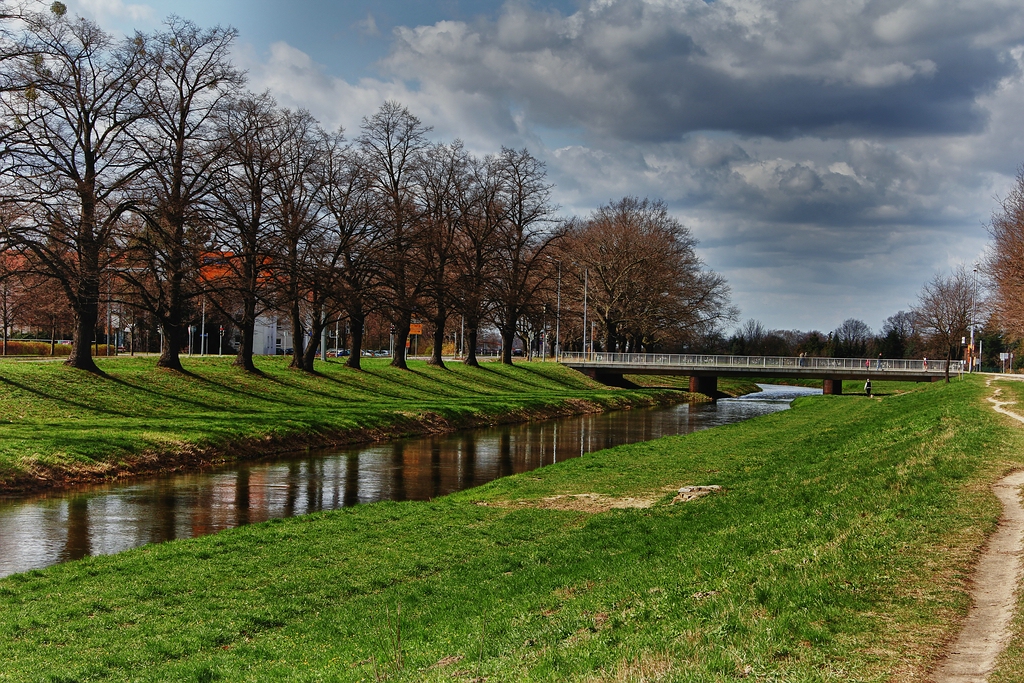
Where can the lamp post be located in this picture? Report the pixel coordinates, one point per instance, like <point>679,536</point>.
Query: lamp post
<point>974,308</point>
<point>544,334</point>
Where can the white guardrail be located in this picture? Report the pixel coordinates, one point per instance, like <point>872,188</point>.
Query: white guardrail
<point>796,363</point>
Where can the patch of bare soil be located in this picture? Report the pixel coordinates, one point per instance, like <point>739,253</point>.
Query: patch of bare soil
<point>578,502</point>
<point>986,631</point>
<point>595,503</point>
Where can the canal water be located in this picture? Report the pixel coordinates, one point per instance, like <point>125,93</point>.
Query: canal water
<point>38,531</point>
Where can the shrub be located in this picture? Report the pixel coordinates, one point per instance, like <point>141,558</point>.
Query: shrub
<point>35,348</point>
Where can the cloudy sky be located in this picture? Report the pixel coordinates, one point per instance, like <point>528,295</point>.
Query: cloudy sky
<point>830,156</point>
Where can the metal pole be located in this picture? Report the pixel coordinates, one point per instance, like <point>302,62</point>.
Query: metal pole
<point>462,336</point>
<point>544,334</point>
<point>974,304</point>
<point>558,313</point>
<point>108,317</point>
<point>586,284</point>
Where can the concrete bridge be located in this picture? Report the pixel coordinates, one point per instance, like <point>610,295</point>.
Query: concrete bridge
<point>704,370</point>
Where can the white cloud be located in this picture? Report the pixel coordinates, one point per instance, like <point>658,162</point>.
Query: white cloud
<point>116,9</point>
<point>830,157</point>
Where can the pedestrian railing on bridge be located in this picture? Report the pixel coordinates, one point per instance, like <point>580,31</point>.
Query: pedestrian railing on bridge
<point>690,360</point>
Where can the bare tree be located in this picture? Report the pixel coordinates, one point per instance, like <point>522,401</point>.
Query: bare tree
<point>944,310</point>
<point>13,300</point>
<point>851,339</point>
<point>1004,264</point>
<point>71,155</point>
<point>445,178</point>
<point>391,144</point>
<point>899,335</point>
<point>349,201</point>
<point>190,77</point>
<point>522,239</point>
<point>482,208</point>
<point>237,269</point>
<point>646,284</point>
<point>300,252</point>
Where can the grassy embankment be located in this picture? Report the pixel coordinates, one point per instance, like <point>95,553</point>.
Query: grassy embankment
<point>838,551</point>
<point>60,426</point>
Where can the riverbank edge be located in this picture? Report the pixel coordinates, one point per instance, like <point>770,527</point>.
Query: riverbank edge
<point>41,478</point>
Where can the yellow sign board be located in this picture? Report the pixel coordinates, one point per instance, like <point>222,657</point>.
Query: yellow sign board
<point>416,328</point>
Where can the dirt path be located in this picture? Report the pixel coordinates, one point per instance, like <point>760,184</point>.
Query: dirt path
<point>986,631</point>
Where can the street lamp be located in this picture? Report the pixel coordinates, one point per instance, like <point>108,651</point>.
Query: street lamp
<point>974,308</point>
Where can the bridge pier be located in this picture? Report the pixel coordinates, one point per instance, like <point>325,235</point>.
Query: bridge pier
<point>704,385</point>
<point>832,387</point>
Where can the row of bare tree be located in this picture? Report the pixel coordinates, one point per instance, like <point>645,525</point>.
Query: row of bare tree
<point>143,170</point>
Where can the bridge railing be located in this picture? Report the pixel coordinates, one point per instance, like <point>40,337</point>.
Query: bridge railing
<point>732,362</point>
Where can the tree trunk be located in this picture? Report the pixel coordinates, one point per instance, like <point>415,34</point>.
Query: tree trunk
<point>435,357</point>
<point>471,359</point>
<point>81,353</point>
<point>315,332</point>
<point>53,339</point>
<point>357,322</point>
<point>508,337</point>
<point>246,331</point>
<point>949,359</point>
<point>401,335</point>
<point>298,336</point>
<point>170,354</point>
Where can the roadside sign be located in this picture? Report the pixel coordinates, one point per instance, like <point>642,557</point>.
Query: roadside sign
<point>416,328</point>
<point>1004,356</point>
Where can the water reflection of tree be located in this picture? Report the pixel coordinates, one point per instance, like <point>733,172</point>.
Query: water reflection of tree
<point>351,480</point>
<point>242,496</point>
<point>77,542</point>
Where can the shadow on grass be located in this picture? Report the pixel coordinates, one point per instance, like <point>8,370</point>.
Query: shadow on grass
<point>516,379</point>
<point>62,399</point>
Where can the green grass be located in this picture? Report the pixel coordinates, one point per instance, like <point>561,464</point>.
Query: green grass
<point>838,551</point>
<point>58,423</point>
